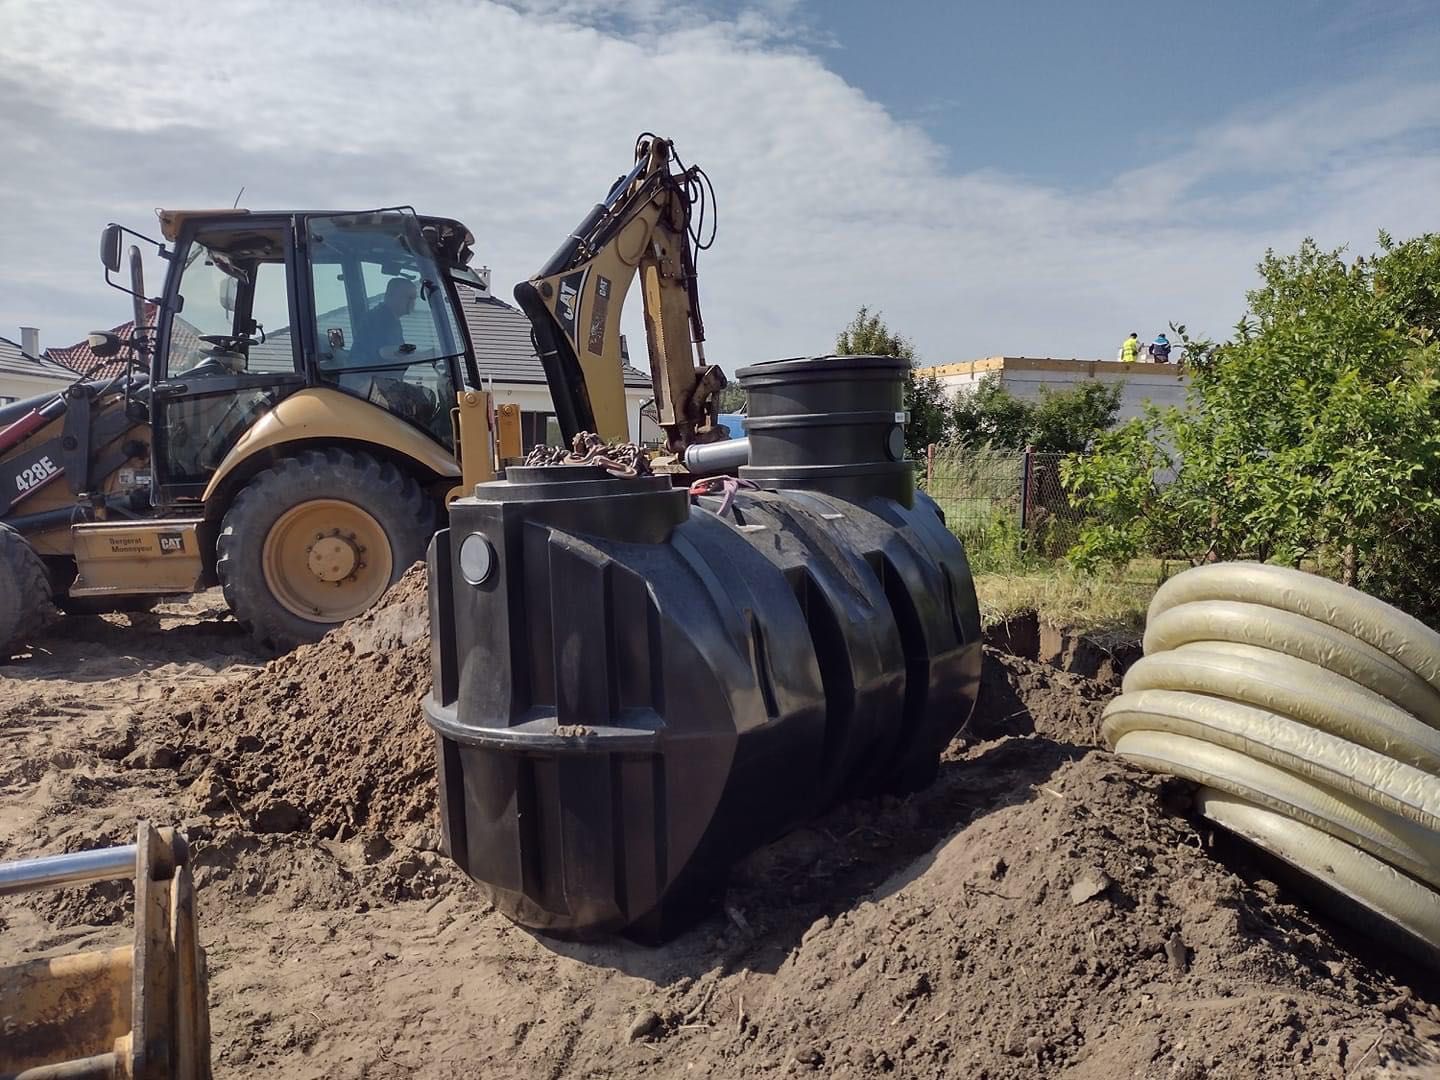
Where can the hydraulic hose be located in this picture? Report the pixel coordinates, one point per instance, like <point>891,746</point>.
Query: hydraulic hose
<point>1309,714</point>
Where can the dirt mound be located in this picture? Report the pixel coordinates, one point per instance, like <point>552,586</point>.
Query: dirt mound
<point>1040,910</point>
<point>328,738</point>
<point>1025,697</point>
<point>1075,925</point>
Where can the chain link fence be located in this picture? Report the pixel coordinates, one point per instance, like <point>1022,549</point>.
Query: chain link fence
<point>1004,504</point>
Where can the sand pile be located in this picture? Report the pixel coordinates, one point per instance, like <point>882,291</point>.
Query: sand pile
<point>1024,697</point>
<point>1041,909</point>
<point>1073,925</point>
<point>328,738</point>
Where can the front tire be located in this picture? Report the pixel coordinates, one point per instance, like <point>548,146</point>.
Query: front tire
<point>25,605</point>
<point>317,539</point>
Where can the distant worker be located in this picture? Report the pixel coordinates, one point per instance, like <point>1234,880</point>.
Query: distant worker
<point>1130,351</point>
<point>1160,349</point>
<point>381,328</point>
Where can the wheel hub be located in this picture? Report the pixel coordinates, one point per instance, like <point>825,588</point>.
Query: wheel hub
<point>326,560</point>
<point>333,558</point>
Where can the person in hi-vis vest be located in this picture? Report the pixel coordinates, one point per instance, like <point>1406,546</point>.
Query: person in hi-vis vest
<point>1130,351</point>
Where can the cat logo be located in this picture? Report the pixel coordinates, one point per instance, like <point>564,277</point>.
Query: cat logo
<point>172,543</point>
<point>567,306</point>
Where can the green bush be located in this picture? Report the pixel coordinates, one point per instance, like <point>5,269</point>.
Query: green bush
<point>1311,436</point>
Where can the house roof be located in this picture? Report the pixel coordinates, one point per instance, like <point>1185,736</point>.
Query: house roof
<point>501,335</point>
<point>16,361</point>
<point>79,359</point>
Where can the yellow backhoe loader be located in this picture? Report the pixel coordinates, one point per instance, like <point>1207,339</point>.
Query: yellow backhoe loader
<point>303,399</point>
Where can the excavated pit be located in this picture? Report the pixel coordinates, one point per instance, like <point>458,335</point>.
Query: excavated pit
<point>1041,909</point>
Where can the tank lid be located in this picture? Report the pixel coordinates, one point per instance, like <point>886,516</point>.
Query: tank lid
<point>823,367</point>
<point>554,474</point>
<point>546,482</point>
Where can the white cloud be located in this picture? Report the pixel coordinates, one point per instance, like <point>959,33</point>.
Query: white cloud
<point>516,117</point>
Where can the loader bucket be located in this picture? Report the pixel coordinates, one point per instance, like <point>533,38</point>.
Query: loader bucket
<point>635,685</point>
<point>137,1012</point>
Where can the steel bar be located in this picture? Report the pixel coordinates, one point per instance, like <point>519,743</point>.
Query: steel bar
<point>98,1067</point>
<point>75,868</point>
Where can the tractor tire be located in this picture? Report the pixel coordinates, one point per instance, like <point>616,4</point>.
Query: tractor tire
<point>25,605</point>
<point>317,539</point>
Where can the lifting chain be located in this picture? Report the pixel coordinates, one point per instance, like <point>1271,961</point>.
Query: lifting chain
<point>587,448</point>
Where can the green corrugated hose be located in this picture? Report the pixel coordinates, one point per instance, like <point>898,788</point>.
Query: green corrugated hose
<point>1309,714</point>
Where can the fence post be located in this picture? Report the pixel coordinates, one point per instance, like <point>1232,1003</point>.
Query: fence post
<point>1026,474</point>
<point>929,466</point>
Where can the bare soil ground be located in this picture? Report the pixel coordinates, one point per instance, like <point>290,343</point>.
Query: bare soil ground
<point>1040,910</point>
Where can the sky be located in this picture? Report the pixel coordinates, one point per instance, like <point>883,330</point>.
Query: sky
<point>1032,178</point>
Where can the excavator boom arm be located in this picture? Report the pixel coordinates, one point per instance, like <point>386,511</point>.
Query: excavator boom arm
<point>574,305</point>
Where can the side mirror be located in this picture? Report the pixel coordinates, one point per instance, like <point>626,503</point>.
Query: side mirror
<point>110,248</point>
<point>103,343</point>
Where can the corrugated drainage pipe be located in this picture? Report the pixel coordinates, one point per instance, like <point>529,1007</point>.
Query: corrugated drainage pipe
<point>1309,714</point>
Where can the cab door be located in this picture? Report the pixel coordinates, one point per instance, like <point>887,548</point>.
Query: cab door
<point>226,350</point>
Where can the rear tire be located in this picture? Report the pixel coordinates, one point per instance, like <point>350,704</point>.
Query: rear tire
<point>25,605</point>
<point>317,539</point>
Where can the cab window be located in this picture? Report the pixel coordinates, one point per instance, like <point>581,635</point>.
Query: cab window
<point>384,329</point>
<point>233,307</point>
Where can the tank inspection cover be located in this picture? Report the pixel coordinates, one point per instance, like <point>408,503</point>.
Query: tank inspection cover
<point>477,559</point>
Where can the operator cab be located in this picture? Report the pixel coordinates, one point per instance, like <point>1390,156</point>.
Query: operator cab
<point>259,305</point>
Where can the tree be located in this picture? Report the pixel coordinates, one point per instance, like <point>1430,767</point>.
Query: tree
<point>929,409</point>
<point>1312,435</point>
<point>990,415</point>
<point>732,398</point>
<point>1062,420</point>
<point>867,335</point>
<point>1070,420</point>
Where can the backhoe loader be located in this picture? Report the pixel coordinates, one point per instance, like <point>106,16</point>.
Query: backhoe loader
<point>303,399</point>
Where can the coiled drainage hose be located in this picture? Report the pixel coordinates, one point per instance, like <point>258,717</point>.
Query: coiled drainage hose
<point>1309,713</point>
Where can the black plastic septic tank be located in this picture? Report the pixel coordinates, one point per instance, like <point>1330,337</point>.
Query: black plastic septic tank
<point>633,688</point>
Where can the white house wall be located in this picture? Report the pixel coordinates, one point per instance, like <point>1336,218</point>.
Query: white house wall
<point>17,387</point>
<point>1160,384</point>
<point>533,399</point>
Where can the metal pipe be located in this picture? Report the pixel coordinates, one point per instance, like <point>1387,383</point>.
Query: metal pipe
<point>75,868</point>
<point>717,457</point>
<point>97,1067</point>
<point>47,519</point>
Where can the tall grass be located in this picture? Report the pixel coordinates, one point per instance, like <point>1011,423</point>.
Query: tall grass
<point>978,490</point>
